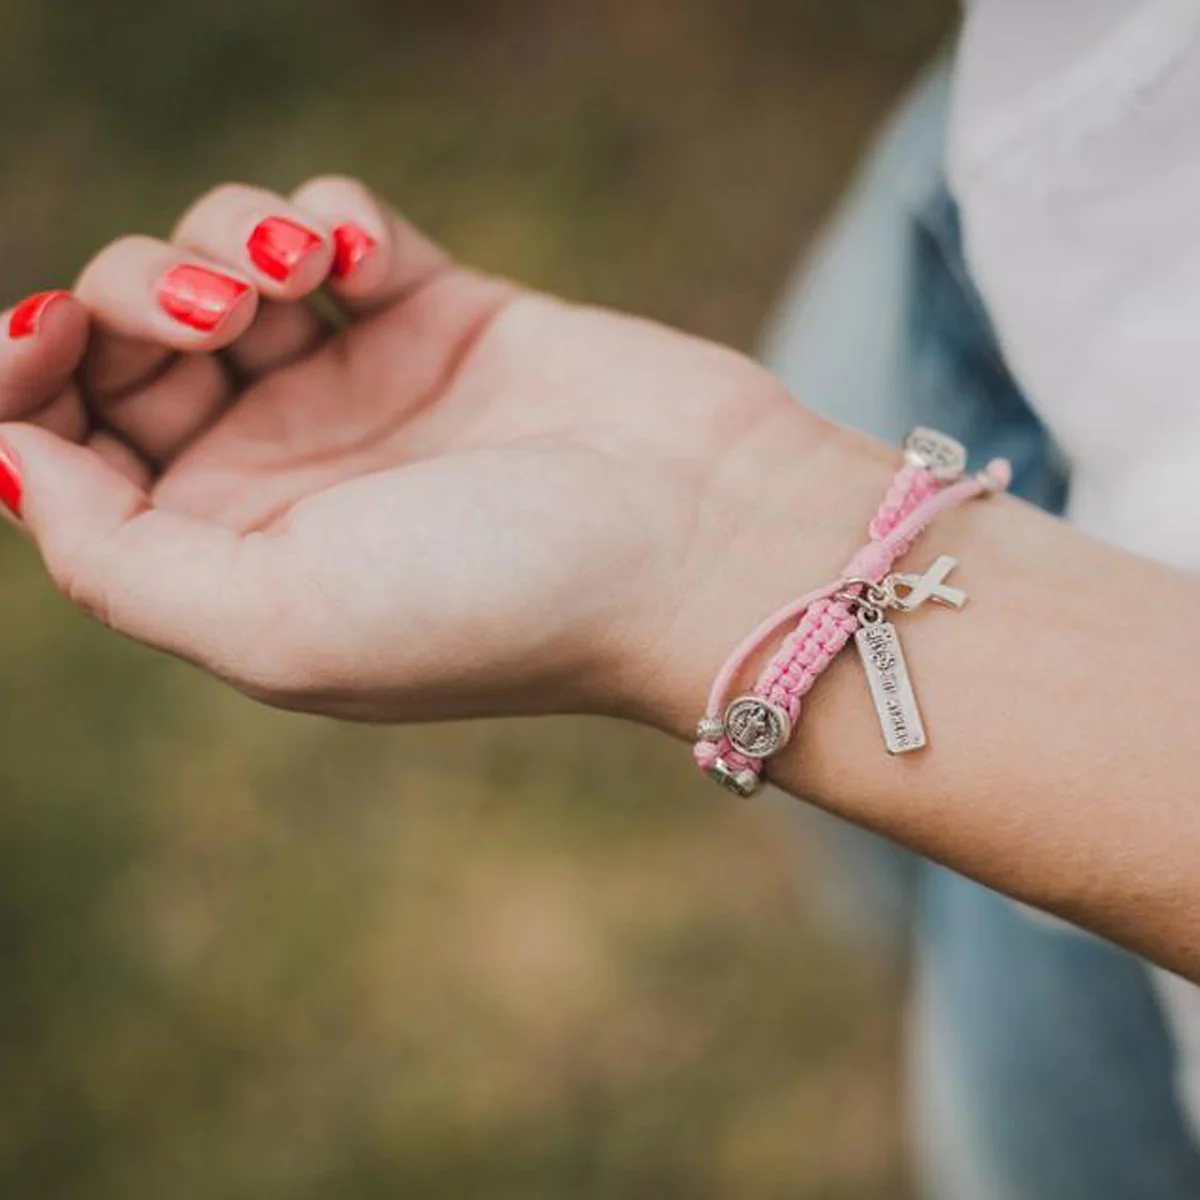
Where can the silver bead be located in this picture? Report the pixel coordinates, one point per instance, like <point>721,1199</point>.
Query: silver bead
<point>757,727</point>
<point>741,783</point>
<point>940,454</point>
<point>991,484</point>
<point>710,729</point>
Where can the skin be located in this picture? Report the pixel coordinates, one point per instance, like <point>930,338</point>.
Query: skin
<point>467,498</point>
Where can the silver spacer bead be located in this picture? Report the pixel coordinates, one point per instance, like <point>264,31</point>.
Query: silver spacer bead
<point>938,453</point>
<point>991,485</point>
<point>741,783</point>
<point>710,729</point>
<point>757,727</point>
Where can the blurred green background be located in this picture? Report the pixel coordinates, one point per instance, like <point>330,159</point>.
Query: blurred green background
<point>246,954</point>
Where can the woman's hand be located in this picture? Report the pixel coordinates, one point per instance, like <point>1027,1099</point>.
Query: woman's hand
<point>455,497</point>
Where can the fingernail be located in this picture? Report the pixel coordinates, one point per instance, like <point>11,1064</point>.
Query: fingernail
<point>27,316</point>
<point>10,481</point>
<point>351,244</point>
<point>199,297</point>
<point>278,246</point>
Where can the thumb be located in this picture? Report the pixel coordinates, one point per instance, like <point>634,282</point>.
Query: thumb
<point>161,577</point>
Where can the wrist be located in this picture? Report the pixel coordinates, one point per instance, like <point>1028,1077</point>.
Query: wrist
<point>783,510</point>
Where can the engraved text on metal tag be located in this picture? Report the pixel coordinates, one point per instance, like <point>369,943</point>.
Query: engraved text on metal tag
<point>887,675</point>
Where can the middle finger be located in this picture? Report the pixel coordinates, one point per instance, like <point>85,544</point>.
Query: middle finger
<point>288,254</point>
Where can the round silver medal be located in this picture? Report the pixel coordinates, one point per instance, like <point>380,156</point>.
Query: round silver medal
<point>939,453</point>
<point>756,727</point>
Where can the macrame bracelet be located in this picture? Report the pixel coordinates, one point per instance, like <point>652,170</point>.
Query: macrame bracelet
<point>733,740</point>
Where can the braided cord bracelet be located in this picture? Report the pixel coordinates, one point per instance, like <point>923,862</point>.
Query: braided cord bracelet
<point>734,740</point>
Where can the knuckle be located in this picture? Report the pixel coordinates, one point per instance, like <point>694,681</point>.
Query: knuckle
<point>332,184</point>
<point>221,196</point>
<point>115,255</point>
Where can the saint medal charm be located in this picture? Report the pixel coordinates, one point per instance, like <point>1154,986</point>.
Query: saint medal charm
<point>887,676</point>
<point>756,727</point>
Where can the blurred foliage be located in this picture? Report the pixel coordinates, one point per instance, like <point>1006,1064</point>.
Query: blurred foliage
<point>252,954</point>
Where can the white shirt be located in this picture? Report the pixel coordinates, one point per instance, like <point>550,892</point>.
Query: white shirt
<point>1074,153</point>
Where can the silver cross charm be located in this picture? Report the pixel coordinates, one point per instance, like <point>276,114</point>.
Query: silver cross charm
<point>928,586</point>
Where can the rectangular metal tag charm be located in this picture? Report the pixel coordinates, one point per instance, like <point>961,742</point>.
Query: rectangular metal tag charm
<point>887,675</point>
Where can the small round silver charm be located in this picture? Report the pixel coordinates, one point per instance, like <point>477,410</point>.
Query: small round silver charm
<point>710,729</point>
<point>741,783</point>
<point>940,454</point>
<point>991,482</point>
<point>757,727</point>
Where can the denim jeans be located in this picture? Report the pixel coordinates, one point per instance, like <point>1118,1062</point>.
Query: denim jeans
<point>1041,1065</point>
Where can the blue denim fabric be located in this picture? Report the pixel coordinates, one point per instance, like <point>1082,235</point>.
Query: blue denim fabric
<point>958,381</point>
<point>1041,1066</point>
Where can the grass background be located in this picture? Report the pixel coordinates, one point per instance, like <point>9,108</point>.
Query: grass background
<point>246,954</point>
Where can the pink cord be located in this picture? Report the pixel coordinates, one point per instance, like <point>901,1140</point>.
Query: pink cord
<point>826,624</point>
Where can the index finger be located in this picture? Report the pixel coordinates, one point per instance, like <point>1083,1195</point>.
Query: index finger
<point>44,337</point>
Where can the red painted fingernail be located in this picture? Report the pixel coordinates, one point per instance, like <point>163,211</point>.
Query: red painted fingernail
<point>10,481</point>
<point>198,296</point>
<point>28,314</point>
<point>351,244</point>
<point>278,246</point>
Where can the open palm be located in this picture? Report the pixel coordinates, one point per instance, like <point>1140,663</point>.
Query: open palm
<point>454,497</point>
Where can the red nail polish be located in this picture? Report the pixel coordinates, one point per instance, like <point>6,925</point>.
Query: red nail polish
<point>199,297</point>
<point>10,481</point>
<point>351,244</point>
<point>28,314</point>
<point>278,246</point>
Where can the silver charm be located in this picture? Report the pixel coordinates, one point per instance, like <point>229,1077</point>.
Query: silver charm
<point>990,481</point>
<point>757,727</point>
<point>887,676</point>
<point>907,592</point>
<point>939,453</point>
<point>710,729</point>
<point>742,783</point>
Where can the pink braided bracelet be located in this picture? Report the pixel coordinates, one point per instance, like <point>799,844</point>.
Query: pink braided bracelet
<point>734,740</point>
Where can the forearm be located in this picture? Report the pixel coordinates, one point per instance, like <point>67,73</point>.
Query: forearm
<point>1062,765</point>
